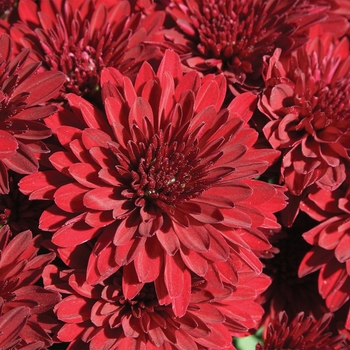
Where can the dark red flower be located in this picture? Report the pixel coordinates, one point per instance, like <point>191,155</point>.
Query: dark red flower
<point>164,181</point>
<point>23,94</point>
<point>331,241</point>
<point>301,333</point>
<point>20,268</point>
<point>233,36</point>
<point>122,313</point>
<point>81,37</point>
<point>307,99</point>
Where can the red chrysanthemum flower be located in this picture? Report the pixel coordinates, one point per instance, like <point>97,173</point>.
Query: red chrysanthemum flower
<point>23,94</point>
<point>307,98</point>
<point>164,181</point>
<point>301,333</point>
<point>233,36</point>
<point>122,313</point>
<point>331,241</point>
<point>20,269</point>
<point>81,37</point>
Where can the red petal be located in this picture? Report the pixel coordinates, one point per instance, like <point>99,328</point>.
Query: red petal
<point>41,87</point>
<point>92,116</point>
<point>23,161</point>
<point>101,199</point>
<point>11,324</point>
<point>78,233</point>
<point>149,261</point>
<point>70,197</point>
<point>180,304</point>
<point>173,275</point>
<point>8,145</point>
<point>170,63</point>
<point>207,95</point>
<point>73,309</point>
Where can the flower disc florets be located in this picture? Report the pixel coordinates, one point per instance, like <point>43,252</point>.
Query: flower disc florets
<point>233,36</point>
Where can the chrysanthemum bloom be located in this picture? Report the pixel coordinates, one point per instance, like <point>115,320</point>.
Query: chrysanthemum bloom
<point>79,38</point>
<point>301,333</point>
<point>307,99</point>
<point>122,313</point>
<point>23,94</point>
<point>162,181</point>
<point>331,251</point>
<point>20,269</point>
<point>288,292</point>
<point>233,36</point>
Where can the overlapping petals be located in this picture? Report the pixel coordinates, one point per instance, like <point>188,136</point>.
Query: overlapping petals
<point>79,38</point>
<point>233,36</point>
<point>163,182</point>
<point>103,315</point>
<point>22,303</point>
<point>330,238</point>
<point>307,100</point>
<point>301,333</point>
<point>23,103</point>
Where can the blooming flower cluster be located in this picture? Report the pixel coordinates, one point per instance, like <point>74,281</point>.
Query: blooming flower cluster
<point>174,174</point>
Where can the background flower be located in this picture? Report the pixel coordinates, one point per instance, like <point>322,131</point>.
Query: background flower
<point>103,315</point>
<point>22,302</point>
<point>233,36</point>
<point>330,238</point>
<point>301,333</point>
<point>24,94</point>
<point>306,99</point>
<point>80,38</point>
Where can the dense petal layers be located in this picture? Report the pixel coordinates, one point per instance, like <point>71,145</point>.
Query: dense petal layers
<point>164,179</point>
<point>301,333</point>
<point>232,36</point>
<point>22,302</point>
<point>79,38</point>
<point>120,312</point>
<point>307,101</point>
<point>330,238</point>
<point>24,96</point>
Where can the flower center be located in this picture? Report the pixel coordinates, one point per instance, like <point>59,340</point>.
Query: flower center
<point>168,172</point>
<point>5,6</point>
<point>230,31</point>
<point>333,108</point>
<point>327,106</point>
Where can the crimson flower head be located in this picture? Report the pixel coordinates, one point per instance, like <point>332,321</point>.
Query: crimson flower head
<point>164,180</point>
<point>301,333</point>
<point>121,313</point>
<point>23,102</point>
<point>233,36</point>
<point>330,254</point>
<point>22,303</point>
<point>79,38</point>
<point>307,99</point>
